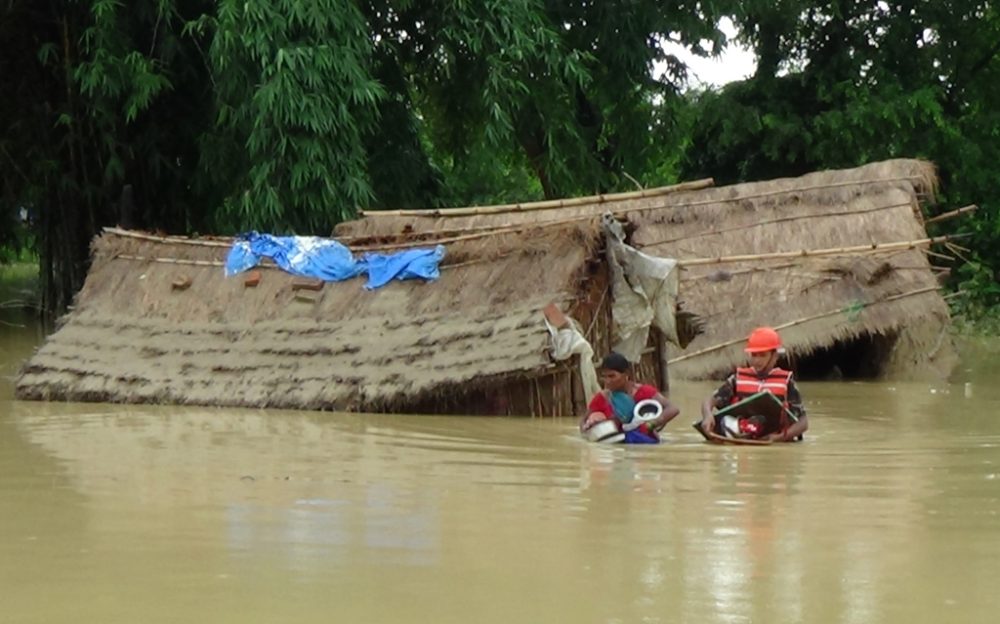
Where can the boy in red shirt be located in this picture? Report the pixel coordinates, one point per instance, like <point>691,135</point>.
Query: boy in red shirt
<point>618,400</point>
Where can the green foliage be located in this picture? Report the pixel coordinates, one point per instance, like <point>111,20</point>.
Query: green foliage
<point>294,88</point>
<point>843,83</point>
<point>18,285</point>
<point>289,116</point>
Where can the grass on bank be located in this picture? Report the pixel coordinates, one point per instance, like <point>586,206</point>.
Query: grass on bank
<point>18,284</point>
<point>973,318</point>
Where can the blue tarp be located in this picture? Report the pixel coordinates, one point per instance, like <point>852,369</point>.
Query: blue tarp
<point>326,259</point>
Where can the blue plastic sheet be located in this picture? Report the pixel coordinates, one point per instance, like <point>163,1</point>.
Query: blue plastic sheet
<point>410,264</point>
<point>326,259</point>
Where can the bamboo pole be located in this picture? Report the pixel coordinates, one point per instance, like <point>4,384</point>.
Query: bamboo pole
<point>173,240</point>
<point>543,205</point>
<point>216,263</point>
<point>747,226</point>
<point>514,229</point>
<point>784,267</point>
<point>957,250</point>
<point>443,212</point>
<point>347,240</point>
<point>171,260</point>
<point>800,321</point>
<point>940,256</point>
<point>952,295</point>
<point>403,245</point>
<point>952,213</point>
<point>806,253</point>
<point>361,238</point>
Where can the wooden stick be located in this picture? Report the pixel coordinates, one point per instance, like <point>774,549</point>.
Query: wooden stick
<point>459,231</point>
<point>171,260</point>
<point>800,321</point>
<point>770,222</point>
<point>782,267</point>
<point>953,213</point>
<point>542,205</point>
<point>806,253</point>
<point>515,229</point>
<point>264,264</point>
<point>957,250</point>
<point>938,255</point>
<point>173,240</point>
<point>362,238</point>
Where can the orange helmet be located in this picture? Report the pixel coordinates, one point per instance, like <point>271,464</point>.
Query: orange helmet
<point>763,339</point>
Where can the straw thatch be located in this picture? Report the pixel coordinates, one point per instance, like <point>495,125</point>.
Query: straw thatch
<point>133,337</point>
<point>157,321</point>
<point>820,301</point>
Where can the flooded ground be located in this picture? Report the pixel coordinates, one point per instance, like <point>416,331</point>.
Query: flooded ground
<point>889,512</point>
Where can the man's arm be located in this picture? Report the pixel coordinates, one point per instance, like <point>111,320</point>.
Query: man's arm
<point>707,413</point>
<point>720,398</point>
<point>800,424</point>
<point>797,428</point>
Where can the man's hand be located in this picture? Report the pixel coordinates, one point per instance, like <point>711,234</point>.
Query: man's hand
<point>592,419</point>
<point>707,423</point>
<point>708,415</point>
<point>777,436</point>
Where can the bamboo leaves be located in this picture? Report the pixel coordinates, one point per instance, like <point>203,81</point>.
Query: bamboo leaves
<point>301,102</point>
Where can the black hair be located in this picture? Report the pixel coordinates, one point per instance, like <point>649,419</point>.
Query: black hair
<point>616,362</point>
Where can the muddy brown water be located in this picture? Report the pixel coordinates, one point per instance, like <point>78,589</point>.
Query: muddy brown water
<point>889,512</point>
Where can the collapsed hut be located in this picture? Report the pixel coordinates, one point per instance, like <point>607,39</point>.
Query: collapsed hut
<point>836,260</point>
<point>157,321</point>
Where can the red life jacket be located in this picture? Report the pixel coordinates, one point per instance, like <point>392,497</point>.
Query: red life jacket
<point>749,383</point>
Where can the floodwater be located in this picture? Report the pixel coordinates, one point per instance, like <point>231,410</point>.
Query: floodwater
<point>889,512</point>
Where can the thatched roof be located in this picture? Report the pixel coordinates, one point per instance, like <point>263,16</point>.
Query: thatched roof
<point>884,294</point>
<point>132,337</point>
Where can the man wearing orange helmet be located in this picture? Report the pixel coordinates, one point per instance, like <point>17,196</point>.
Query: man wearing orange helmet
<point>763,374</point>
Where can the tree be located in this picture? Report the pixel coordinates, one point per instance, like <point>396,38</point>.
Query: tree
<point>199,115</point>
<point>844,82</point>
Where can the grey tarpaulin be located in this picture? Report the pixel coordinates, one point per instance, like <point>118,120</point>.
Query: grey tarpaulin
<point>645,292</point>
<point>569,341</point>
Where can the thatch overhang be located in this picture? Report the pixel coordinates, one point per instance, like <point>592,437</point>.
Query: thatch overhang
<point>134,337</point>
<point>885,299</point>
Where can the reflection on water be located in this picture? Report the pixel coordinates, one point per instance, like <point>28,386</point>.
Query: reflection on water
<point>887,513</point>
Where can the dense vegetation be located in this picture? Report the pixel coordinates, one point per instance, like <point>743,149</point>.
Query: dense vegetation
<point>196,115</point>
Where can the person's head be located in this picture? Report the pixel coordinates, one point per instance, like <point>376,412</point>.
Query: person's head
<point>762,349</point>
<point>615,371</point>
